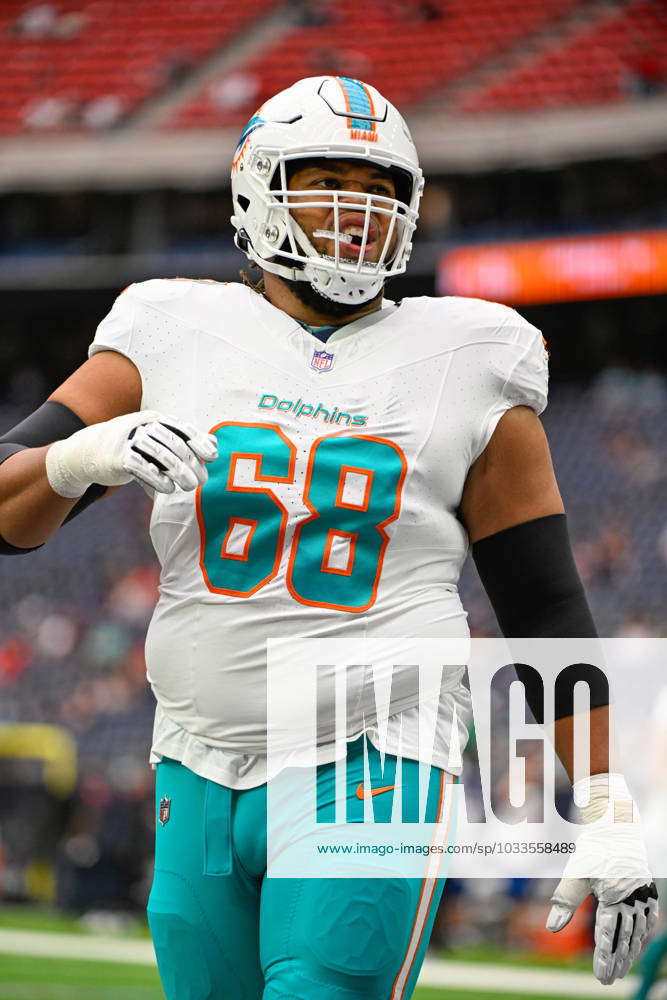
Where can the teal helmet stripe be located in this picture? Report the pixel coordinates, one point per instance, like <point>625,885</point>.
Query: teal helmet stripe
<point>359,101</point>
<point>253,124</point>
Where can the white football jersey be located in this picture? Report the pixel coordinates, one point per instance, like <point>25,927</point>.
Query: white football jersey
<point>331,509</point>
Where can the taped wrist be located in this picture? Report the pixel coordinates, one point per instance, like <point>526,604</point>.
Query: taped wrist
<point>593,794</point>
<point>529,574</point>
<point>63,480</point>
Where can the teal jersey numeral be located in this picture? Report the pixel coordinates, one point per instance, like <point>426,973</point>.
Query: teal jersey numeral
<point>352,490</point>
<point>337,552</point>
<point>255,510</point>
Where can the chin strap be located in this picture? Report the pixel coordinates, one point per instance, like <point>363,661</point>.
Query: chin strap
<point>348,289</point>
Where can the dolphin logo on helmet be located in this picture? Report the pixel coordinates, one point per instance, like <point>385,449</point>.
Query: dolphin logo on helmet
<point>324,117</point>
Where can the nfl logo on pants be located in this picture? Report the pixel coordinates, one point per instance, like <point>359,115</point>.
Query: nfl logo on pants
<point>165,809</point>
<point>321,361</point>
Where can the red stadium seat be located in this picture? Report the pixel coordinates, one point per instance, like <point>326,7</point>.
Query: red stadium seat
<point>121,49</point>
<point>430,55</point>
<point>621,56</point>
<point>132,51</point>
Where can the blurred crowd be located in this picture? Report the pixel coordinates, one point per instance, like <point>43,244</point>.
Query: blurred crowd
<point>72,628</point>
<point>609,443</point>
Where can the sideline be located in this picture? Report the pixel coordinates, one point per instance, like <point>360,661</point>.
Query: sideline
<point>518,979</point>
<point>86,947</point>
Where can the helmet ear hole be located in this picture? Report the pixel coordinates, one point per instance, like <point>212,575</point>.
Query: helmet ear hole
<point>243,202</point>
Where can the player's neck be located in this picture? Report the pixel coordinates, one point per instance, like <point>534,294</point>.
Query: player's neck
<point>282,297</point>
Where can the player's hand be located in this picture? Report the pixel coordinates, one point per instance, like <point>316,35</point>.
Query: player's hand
<point>160,452</point>
<point>625,919</point>
<point>610,862</point>
<point>166,453</point>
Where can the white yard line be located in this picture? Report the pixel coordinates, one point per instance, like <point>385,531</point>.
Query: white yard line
<point>435,972</point>
<point>87,947</point>
<point>519,979</point>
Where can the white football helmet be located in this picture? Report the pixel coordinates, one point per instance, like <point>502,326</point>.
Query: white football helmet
<point>324,117</point>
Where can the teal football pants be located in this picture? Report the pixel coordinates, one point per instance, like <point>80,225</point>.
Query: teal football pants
<point>223,931</point>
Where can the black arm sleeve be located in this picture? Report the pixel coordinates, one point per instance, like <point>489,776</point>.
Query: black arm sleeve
<point>529,574</point>
<point>51,422</point>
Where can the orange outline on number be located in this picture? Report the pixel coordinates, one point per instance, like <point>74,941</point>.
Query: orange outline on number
<point>233,521</point>
<point>328,545</point>
<point>231,488</point>
<point>314,515</point>
<point>368,473</point>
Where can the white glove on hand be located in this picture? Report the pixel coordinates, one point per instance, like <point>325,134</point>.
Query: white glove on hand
<point>609,861</point>
<point>161,452</point>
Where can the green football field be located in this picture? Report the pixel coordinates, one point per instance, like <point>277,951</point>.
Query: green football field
<point>26,977</point>
<point>23,978</point>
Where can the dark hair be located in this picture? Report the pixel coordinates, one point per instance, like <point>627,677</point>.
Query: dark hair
<point>257,284</point>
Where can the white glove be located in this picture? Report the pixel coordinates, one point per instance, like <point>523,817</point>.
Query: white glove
<point>609,861</point>
<point>161,452</point>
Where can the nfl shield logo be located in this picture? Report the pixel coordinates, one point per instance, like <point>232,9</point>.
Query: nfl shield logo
<point>321,361</point>
<point>165,809</point>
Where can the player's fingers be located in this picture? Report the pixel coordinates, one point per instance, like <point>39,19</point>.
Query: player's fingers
<point>173,466</point>
<point>204,445</point>
<point>621,967</point>
<point>639,934</point>
<point>154,453</point>
<point>652,915</point>
<point>603,957</point>
<point>568,895</point>
<point>625,925</point>
<point>559,917</point>
<point>147,472</point>
<point>176,443</point>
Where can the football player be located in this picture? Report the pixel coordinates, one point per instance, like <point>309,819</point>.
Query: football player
<point>320,458</point>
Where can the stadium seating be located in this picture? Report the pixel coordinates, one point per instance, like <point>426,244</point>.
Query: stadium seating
<point>90,62</point>
<point>407,49</point>
<point>87,64</point>
<point>623,56</point>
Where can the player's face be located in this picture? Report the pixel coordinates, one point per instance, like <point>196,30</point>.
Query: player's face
<point>343,175</point>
